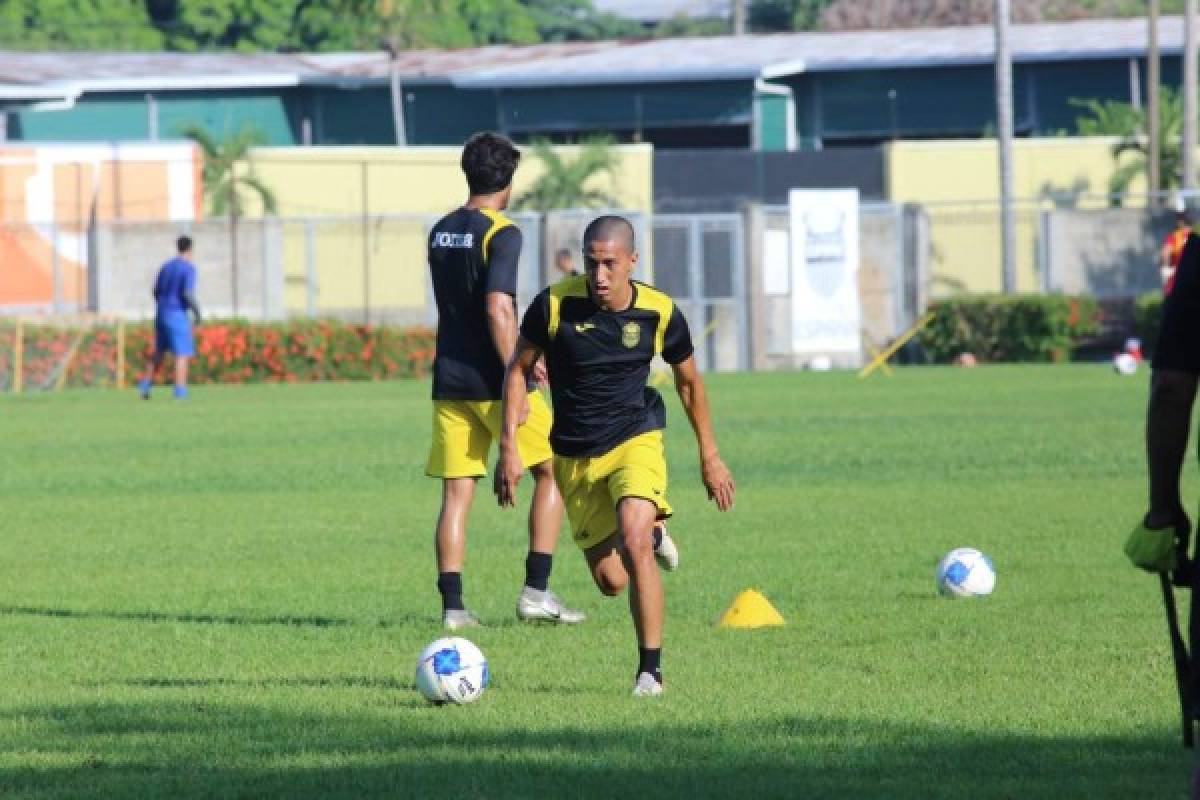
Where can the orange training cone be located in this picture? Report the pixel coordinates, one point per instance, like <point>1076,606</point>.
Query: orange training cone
<point>750,610</point>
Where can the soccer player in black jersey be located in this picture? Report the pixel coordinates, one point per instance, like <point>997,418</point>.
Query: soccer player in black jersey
<point>599,332</point>
<point>473,255</point>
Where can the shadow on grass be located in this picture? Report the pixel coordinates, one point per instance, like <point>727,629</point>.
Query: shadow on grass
<point>337,682</point>
<point>181,749</point>
<point>158,616</point>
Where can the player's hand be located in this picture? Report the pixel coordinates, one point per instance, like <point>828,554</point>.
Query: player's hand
<point>540,376</point>
<point>524,414</point>
<point>508,474</point>
<point>718,480</point>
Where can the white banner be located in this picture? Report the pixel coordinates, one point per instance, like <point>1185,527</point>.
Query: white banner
<point>826,312</point>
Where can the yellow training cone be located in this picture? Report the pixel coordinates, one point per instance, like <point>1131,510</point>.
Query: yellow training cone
<point>750,610</point>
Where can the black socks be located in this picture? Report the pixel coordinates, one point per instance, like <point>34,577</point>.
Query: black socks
<point>450,585</point>
<point>649,660</point>
<point>537,570</point>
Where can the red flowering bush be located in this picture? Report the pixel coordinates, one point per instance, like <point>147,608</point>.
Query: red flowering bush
<point>227,352</point>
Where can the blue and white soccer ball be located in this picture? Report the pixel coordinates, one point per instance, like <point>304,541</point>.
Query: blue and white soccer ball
<point>452,670</point>
<point>965,572</point>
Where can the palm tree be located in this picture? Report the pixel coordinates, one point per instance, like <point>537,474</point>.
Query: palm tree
<point>226,181</point>
<point>564,184</point>
<point>1128,122</point>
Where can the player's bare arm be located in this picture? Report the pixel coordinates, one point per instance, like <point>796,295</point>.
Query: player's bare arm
<point>716,476</point>
<point>502,324</point>
<point>516,407</point>
<point>1168,420</point>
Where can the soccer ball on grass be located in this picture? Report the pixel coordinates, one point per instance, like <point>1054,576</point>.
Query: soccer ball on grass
<point>451,670</point>
<point>965,572</point>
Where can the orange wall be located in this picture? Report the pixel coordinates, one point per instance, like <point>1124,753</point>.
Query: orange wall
<point>49,196</point>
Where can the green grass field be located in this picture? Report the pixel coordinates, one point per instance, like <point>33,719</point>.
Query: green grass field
<point>225,598</point>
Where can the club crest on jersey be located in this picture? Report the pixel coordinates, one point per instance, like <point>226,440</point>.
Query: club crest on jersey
<point>631,334</point>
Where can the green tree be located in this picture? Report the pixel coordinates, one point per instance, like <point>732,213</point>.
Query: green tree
<point>1109,118</point>
<point>242,25</point>
<point>765,16</point>
<point>565,184</point>
<point>77,25</point>
<point>577,20</point>
<point>229,177</point>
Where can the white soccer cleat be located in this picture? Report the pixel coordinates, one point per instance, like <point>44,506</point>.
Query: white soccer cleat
<point>666,554</point>
<point>647,686</point>
<point>456,619</point>
<point>537,606</point>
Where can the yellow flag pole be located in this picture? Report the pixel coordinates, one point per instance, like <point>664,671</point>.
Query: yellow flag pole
<point>881,358</point>
<point>61,383</point>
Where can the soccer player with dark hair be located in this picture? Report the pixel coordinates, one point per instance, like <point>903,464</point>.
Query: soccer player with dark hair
<point>599,332</point>
<point>473,255</point>
<point>174,295</point>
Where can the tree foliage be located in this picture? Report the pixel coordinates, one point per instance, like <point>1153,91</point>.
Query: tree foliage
<point>1110,118</point>
<point>77,25</point>
<point>571,184</point>
<point>339,25</point>
<point>228,172</point>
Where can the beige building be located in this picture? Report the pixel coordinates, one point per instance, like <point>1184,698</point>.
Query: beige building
<point>331,200</point>
<point>957,182</point>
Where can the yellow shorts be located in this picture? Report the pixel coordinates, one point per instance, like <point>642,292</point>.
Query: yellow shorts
<point>592,487</point>
<point>463,431</point>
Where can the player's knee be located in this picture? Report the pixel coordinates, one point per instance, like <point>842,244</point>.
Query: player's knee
<point>609,584</point>
<point>639,542</point>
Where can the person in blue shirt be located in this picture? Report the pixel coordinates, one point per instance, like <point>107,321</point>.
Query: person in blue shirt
<point>174,296</point>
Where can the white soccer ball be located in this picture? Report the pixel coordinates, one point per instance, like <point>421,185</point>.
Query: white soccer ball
<point>452,670</point>
<point>965,572</point>
<point>1125,364</point>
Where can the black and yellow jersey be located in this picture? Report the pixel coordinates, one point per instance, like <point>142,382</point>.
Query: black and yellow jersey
<point>471,252</point>
<point>599,361</point>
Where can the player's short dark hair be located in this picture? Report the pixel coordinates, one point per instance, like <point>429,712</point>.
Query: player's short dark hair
<point>489,161</point>
<point>610,228</point>
<point>562,252</point>
<point>183,244</point>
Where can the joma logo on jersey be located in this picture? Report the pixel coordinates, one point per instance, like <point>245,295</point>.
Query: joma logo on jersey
<point>454,240</point>
<point>584,327</point>
<point>631,334</point>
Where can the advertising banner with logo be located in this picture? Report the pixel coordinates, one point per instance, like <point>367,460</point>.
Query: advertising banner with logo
<point>826,312</point>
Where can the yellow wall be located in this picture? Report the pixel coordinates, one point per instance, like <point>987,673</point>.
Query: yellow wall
<point>327,184</point>
<point>958,182</point>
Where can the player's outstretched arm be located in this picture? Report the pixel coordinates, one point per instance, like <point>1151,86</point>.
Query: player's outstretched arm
<point>716,476</point>
<point>516,408</point>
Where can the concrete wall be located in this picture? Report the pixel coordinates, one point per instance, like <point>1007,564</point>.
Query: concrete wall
<point>958,184</point>
<point>126,258</point>
<point>1108,253</point>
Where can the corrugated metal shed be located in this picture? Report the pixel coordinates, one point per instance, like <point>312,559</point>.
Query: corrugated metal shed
<point>775,55</point>
<point>580,63</point>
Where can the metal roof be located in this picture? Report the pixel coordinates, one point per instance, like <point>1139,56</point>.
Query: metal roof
<point>776,55</point>
<point>583,63</point>
<point>658,10</point>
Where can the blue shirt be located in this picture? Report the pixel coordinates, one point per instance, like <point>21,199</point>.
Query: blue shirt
<point>176,278</point>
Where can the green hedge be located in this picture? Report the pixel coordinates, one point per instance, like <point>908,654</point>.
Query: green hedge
<point>1147,319</point>
<point>1009,327</point>
<point>226,352</point>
